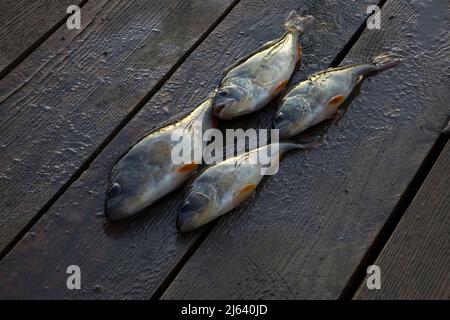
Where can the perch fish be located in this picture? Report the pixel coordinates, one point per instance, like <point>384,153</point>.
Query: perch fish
<point>319,97</point>
<point>146,172</point>
<point>256,79</point>
<point>224,186</point>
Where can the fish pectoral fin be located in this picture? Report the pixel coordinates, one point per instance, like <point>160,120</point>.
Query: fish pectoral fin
<point>299,52</point>
<point>250,55</point>
<point>281,86</point>
<point>336,101</point>
<point>187,167</point>
<point>246,190</point>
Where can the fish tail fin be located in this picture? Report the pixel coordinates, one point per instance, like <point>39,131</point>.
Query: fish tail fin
<point>295,22</point>
<point>309,145</point>
<point>286,146</point>
<point>384,61</point>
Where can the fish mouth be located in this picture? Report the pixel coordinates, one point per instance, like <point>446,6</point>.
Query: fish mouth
<point>222,111</point>
<point>117,212</point>
<point>192,213</point>
<point>111,213</point>
<point>227,112</point>
<point>114,213</point>
<point>223,107</point>
<point>218,108</point>
<point>186,222</point>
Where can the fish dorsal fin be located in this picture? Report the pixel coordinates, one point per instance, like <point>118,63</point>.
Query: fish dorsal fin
<point>251,54</point>
<point>245,157</point>
<point>334,69</point>
<point>241,159</point>
<point>195,115</point>
<point>326,71</point>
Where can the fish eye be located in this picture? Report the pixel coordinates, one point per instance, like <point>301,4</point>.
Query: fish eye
<point>196,203</point>
<point>115,190</point>
<point>279,117</point>
<point>187,207</point>
<point>224,93</point>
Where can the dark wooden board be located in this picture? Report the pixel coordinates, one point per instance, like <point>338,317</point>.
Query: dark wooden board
<point>23,23</point>
<point>415,262</point>
<point>133,259</point>
<point>305,231</point>
<point>54,118</point>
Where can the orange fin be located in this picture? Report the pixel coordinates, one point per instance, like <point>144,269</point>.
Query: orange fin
<point>187,167</point>
<point>299,51</point>
<point>281,86</point>
<point>336,101</point>
<point>246,190</point>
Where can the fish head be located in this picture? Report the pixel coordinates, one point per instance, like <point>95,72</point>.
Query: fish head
<point>197,209</point>
<point>233,98</point>
<point>293,117</point>
<point>127,188</point>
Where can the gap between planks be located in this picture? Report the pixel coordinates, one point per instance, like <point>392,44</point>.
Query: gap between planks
<point>397,213</point>
<point>178,266</point>
<point>116,130</point>
<point>34,46</point>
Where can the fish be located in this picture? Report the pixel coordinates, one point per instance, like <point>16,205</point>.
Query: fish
<point>256,79</point>
<point>319,96</point>
<point>225,185</point>
<point>146,172</point>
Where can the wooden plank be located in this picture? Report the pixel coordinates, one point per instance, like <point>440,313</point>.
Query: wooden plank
<point>133,259</point>
<point>53,119</point>
<point>415,262</point>
<point>304,233</point>
<point>24,23</point>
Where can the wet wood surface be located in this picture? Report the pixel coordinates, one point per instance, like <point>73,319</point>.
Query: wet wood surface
<point>57,111</point>
<point>133,259</point>
<point>23,23</point>
<point>415,262</point>
<point>305,231</point>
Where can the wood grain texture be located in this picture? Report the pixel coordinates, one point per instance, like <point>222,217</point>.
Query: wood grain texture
<point>304,233</point>
<point>132,259</point>
<point>61,104</point>
<point>415,263</point>
<point>25,22</point>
